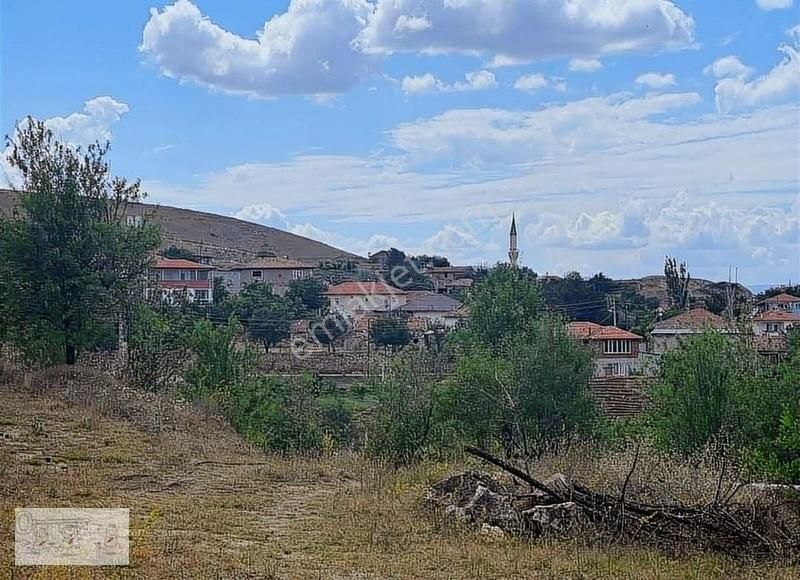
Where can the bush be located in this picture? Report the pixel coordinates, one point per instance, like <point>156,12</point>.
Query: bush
<point>156,346</point>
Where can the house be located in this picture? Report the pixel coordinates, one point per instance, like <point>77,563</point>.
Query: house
<point>436,309</point>
<point>355,298</point>
<point>190,279</point>
<point>667,333</point>
<point>447,279</point>
<point>618,352</point>
<point>278,273</point>
<point>774,321</point>
<point>781,301</point>
<point>772,347</point>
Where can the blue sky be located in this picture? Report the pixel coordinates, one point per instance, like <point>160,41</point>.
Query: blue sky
<point>618,131</point>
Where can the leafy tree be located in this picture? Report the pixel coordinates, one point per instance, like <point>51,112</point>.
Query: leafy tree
<point>503,305</point>
<point>677,280</point>
<point>405,422</point>
<point>157,350</point>
<point>528,393</point>
<point>308,295</point>
<point>269,324</point>
<point>330,328</point>
<point>390,331</point>
<point>72,260</point>
<point>265,316</point>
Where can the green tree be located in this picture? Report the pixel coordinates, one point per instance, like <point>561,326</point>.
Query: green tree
<point>265,315</point>
<point>527,393</point>
<point>390,331</point>
<point>219,366</point>
<point>677,280</point>
<point>72,260</point>
<point>157,350</point>
<point>330,328</point>
<point>176,253</point>
<point>503,305</point>
<point>307,295</point>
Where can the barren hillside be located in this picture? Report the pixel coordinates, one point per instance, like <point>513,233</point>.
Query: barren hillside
<point>228,240</point>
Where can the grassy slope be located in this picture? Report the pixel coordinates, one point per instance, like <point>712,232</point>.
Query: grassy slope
<point>296,518</point>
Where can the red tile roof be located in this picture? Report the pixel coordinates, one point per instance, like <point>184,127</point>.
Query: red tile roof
<point>782,298</point>
<point>777,316</point>
<point>592,331</point>
<point>694,319</point>
<point>362,289</point>
<point>171,264</point>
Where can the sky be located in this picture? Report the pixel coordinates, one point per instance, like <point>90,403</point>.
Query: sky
<point>617,131</point>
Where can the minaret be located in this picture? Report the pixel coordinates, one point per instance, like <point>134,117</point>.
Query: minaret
<point>513,252</point>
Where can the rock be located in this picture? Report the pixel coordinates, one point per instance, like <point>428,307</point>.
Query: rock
<point>556,518</point>
<point>492,531</point>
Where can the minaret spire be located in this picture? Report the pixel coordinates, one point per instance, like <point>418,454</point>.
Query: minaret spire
<point>513,252</point>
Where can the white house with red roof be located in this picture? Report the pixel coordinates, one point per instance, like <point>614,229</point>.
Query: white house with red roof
<point>774,321</point>
<point>190,279</point>
<point>354,298</point>
<point>782,301</point>
<point>617,351</point>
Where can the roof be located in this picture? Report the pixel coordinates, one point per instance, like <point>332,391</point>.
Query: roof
<point>432,303</point>
<point>173,264</point>
<point>782,298</point>
<point>694,319</point>
<point>777,316</point>
<point>362,289</point>
<point>274,264</point>
<point>592,331</point>
<point>768,344</point>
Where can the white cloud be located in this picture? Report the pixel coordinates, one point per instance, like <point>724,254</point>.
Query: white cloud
<point>309,49</point>
<point>427,83</point>
<point>374,243</point>
<point>263,213</point>
<point>486,136</point>
<point>451,239</point>
<point>77,129</point>
<point>728,66</point>
<point>411,24</point>
<point>656,80</point>
<point>534,82</point>
<point>774,4</point>
<point>528,30</point>
<point>782,82</point>
<point>585,64</point>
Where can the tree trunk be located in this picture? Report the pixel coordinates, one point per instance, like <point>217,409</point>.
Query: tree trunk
<point>70,354</point>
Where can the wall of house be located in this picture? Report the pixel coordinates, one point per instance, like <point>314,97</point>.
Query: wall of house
<point>278,278</point>
<point>350,304</point>
<point>765,327</point>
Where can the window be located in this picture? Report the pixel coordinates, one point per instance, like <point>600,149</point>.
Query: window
<point>773,327</point>
<point>297,274</point>
<point>201,295</point>
<point>617,347</point>
<point>256,273</point>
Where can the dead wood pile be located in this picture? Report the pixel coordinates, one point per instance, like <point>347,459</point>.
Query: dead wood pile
<point>765,524</point>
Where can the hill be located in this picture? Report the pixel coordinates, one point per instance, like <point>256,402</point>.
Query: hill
<point>699,289</point>
<point>226,240</point>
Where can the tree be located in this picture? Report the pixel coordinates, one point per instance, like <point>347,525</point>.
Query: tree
<point>218,366</point>
<point>329,329</point>
<point>157,351</point>
<point>307,295</point>
<point>72,260</point>
<point>265,316</point>
<point>390,331</point>
<point>502,305</point>
<point>528,393</point>
<point>677,280</point>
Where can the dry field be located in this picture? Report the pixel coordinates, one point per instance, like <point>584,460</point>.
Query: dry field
<point>205,505</point>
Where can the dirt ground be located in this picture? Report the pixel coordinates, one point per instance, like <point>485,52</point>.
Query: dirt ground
<point>205,505</point>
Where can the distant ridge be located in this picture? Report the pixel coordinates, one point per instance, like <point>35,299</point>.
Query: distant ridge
<point>227,240</point>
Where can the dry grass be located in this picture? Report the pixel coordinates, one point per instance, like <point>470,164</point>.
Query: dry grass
<point>264,516</point>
